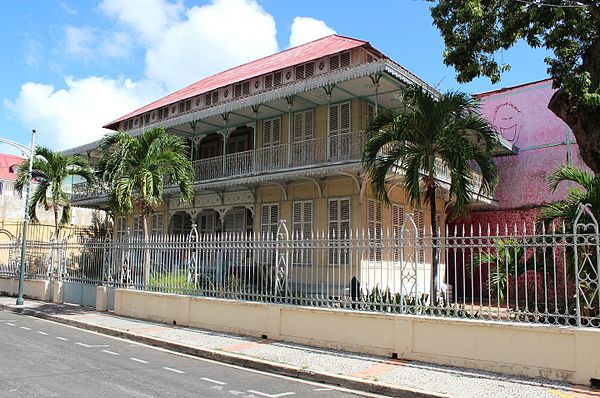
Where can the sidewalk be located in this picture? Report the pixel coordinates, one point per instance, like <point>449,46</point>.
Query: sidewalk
<point>354,371</point>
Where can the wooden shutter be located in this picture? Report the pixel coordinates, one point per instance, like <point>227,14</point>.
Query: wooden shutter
<point>303,125</point>
<point>334,62</point>
<point>345,117</point>
<point>334,120</point>
<point>397,221</point>
<point>344,59</point>
<point>339,230</point>
<point>269,217</point>
<point>271,132</point>
<point>302,217</point>
<point>374,226</point>
<point>157,224</point>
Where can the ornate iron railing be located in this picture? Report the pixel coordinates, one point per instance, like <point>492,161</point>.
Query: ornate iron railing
<point>510,273</point>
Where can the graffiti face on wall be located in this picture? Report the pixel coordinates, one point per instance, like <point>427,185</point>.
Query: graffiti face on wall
<point>508,120</point>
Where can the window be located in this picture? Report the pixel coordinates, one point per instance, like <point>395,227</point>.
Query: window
<point>302,221</point>
<point>271,132</point>
<point>235,221</point>
<point>420,241</point>
<point>181,224</point>
<point>340,143</point>
<point>273,80</point>
<point>185,106</point>
<point>339,61</point>
<point>269,219</point>
<point>370,112</point>
<point>339,230</point>
<point>157,224</point>
<point>241,89</point>
<point>305,71</point>
<point>138,227</point>
<point>303,151</point>
<point>374,227</point>
<point>121,227</point>
<point>207,223</point>
<point>397,221</point>
<point>211,98</point>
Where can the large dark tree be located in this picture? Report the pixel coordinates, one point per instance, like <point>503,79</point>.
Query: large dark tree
<point>475,31</point>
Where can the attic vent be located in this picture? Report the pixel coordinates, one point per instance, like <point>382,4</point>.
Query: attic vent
<point>370,57</point>
<point>273,80</point>
<point>146,118</point>
<point>129,124</point>
<point>185,106</point>
<point>339,61</point>
<point>211,98</point>
<point>305,71</point>
<point>241,89</point>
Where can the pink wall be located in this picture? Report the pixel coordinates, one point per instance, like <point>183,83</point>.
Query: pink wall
<point>522,116</point>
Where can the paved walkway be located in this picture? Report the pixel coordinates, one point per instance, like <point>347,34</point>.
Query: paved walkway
<point>367,373</point>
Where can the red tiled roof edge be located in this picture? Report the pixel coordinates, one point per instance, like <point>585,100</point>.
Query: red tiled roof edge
<point>328,45</point>
<point>6,161</point>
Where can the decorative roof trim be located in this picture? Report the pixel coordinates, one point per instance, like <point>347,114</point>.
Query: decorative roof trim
<point>352,72</point>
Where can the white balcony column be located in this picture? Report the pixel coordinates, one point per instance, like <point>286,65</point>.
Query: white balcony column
<point>290,104</point>
<point>375,79</point>
<point>225,134</point>
<point>193,140</point>
<point>328,91</point>
<point>255,109</point>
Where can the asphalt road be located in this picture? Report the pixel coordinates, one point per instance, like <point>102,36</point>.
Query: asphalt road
<point>39,358</point>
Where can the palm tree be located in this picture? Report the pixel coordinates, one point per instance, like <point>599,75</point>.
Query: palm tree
<point>416,140</point>
<point>50,171</point>
<point>135,169</point>
<point>587,191</point>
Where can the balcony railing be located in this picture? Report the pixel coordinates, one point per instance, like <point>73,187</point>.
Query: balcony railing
<point>344,147</point>
<point>341,147</point>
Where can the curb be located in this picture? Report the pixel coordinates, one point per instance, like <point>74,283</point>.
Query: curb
<point>348,382</point>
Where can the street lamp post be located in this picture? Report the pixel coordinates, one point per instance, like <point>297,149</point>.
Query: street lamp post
<point>30,153</point>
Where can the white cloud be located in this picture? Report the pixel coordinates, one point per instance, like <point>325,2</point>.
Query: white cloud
<point>305,29</point>
<point>78,41</point>
<point>150,18</point>
<point>73,116</point>
<point>204,44</point>
<point>182,45</point>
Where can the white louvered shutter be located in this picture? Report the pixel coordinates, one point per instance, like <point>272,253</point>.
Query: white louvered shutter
<point>374,226</point>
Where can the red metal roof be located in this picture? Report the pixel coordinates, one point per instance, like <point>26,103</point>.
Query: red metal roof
<point>6,163</point>
<point>306,52</point>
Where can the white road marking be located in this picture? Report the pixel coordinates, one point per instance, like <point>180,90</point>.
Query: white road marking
<point>323,389</point>
<point>173,370</point>
<point>111,352</point>
<point>10,324</point>
<point>92,346</point>
<point>25,328</point>
<point>264,394</point>
<point>138,360</point>
<point>213,381</point>
<point>62,338</point>
<point>44,333</point>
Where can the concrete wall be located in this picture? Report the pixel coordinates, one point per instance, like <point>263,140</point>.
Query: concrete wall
<point>34,288</point>
<point>568,354</point>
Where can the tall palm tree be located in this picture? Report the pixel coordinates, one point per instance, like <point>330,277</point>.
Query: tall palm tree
<point>135,169</point>
<point>586,191</point>
<point>50,171</point>
<point>410,140</point>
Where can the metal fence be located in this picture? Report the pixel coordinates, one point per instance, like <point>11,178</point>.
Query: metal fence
<point>514,273</point>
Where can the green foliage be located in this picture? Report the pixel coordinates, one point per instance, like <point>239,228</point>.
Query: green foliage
<point>136,168</point>
<point>50,171</point>
<point>504,264</point>
<point>477,31</point>
<point>428,128</point>
<point>586,190</point>
<point>173,282</point>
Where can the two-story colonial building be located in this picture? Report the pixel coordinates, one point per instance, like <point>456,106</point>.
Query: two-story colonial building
<point>280,138</point>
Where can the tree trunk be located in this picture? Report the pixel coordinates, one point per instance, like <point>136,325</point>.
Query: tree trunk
<point>583,120</point>
<point>146,248</point>
<point>434,249</point>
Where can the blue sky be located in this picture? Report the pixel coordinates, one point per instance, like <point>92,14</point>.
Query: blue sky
<point>70,66</point>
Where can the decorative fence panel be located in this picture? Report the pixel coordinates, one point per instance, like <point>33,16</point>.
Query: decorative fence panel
<point>533,274</point>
